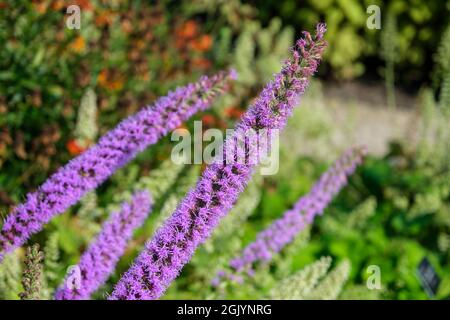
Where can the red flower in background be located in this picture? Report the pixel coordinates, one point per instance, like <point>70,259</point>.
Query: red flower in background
<point>208,120</point>
<point>83,4</point>
<point>187,30</point>
<point>202,43</point>
<point>73,147</point>
<point>110,80</point>
<point>233,112</point>
<point>201,63</point>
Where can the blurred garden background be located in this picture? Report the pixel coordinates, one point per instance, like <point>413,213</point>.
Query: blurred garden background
<point>387,88</point>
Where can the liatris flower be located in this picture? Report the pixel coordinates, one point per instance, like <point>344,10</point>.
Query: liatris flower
<point>285,229</point>
<point>221,182</point>
<point>32,274</point>
<point>113,150</point>
<point>100,259</point>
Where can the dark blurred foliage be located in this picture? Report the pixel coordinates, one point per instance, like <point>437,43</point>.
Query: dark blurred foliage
<point>354,49</point>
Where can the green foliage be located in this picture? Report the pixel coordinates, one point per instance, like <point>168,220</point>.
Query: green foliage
<point>330,287</point>
<point>299,285</point>
<point>444,98</point>
<point>351,43</point>
<point>259,51</point>
<point>388,52</point>
<point>10,275</point>
<point>442,57</point>
<point>52,266</point>
<point>359,292</point>
<point>185,181</point>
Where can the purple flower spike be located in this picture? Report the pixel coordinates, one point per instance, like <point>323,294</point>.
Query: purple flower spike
<point>100,259</point>
<point>120,145</point>
<point>217,190</point>
<point>285,229</point>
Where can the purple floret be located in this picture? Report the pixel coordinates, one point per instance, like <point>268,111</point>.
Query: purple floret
<point>217,190</point>
<point>285,229</point>
<point>100,259</point>
<point>120,145</point>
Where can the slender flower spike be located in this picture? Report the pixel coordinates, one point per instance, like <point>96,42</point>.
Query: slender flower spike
<point>285,229</point>
<point>299,285</point>
<point>217,190</point>
<point>32,274</point>
<point>331,286</point>
<point>100,259</point>
<point>115,149</point>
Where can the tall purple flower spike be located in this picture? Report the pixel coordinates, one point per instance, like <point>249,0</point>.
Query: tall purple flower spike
<point>217,190</point>
<point>285,229</point>
<point>114,149</point>
<point>100,259</point>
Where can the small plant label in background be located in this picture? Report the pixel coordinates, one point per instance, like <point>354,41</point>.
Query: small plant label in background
<point>428,277</point>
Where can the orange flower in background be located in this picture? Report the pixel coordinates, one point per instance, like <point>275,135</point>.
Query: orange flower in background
<point>233,112</point>
<point>73,147</point>
<point>78,44</point>
<point>209,120</point>
<point>126,25</point>
<point>184,33</point>
<point>40,6</point>
<point>104,18</point>
<point>202,44</point>
<point>185,131</point>
<point>110,80</point>
<point>188,29</point>
<point>201,63</point>
<point>57,5</point>
<point>84,4</point>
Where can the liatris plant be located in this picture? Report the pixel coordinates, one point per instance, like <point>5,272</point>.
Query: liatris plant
<point>32,274</point>
<point>389,44</point>
<point>331,286</point>
<point>313,282</point>
<point>10,275</point>
<point>226,239</point>
<point>51,262</point>
<point>100,259</point>
<point>285,229</point>
<point>113,150</point>
<point>86,131</point>
<point>299,285</point>
<point>221,182</point>
<point>86,128</point>
<point>184,183</point>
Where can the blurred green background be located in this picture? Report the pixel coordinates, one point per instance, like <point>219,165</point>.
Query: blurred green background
<point>388,88</point>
